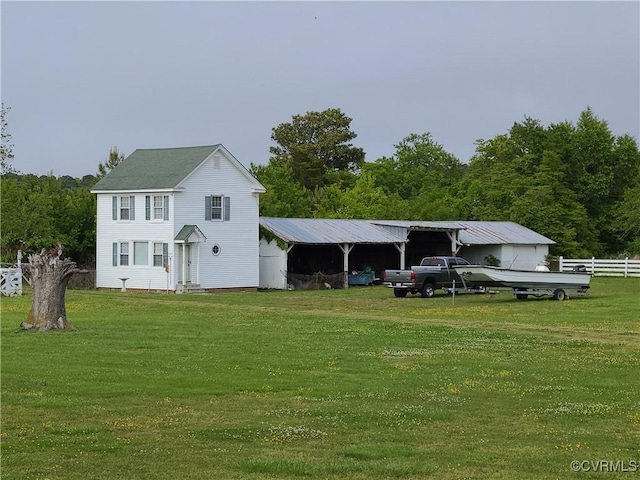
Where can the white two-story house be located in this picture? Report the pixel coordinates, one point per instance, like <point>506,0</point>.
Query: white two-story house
<point>178,219</point>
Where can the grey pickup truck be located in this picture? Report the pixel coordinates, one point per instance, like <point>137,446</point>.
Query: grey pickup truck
<point>432,273</point>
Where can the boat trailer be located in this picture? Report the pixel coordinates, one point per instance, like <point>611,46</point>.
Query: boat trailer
<point>559,292</point>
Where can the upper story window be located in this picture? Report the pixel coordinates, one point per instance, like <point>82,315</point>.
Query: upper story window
<point>157,207</point>
<point>123,207</point>
<point>217,207</point>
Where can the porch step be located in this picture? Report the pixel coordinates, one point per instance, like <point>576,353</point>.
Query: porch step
<point>193,288</point>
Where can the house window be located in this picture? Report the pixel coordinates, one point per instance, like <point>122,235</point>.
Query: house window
<point>124,253</point>
<point>141,253</point>
<point>160,254</point>
<point>124,208</point>
<point>157,207</point>
<point>217,207</point>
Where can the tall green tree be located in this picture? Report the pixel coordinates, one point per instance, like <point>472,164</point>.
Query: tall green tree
<point>519,177</point>
<point>551,209</point>
<point>627,220</point>
<point>284,197</point>
<point>317,146</point>
<point>422,174</point>
<point>38,212</point>
<point>602,166</point>
<point>364,200</point>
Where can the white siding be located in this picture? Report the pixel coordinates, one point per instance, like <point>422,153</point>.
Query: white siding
<point>476,254</point>
<point>519,257</point>
<point>273,265</point>
<point>110,231</point>
<point>237,263</point>
<point>526,257</point>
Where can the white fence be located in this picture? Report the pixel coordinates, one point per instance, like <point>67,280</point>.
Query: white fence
<point>11,275</point>
<point>11,281</point>
<point>603,267</point>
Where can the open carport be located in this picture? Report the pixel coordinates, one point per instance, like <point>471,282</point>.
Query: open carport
<point>333,246</point>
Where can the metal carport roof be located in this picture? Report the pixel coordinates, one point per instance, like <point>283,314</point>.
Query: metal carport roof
<point>477,232</point>
<point>320,231</point>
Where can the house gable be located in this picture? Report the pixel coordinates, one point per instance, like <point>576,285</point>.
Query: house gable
<point>215,157</point>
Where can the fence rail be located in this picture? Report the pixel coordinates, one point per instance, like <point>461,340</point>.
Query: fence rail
<point>603,267</point>
<point>11,281</point>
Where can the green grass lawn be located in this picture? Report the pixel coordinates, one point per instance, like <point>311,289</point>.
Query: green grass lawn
<point>327,384</point>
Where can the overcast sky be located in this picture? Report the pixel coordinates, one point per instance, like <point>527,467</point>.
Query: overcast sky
<point>81,77</point>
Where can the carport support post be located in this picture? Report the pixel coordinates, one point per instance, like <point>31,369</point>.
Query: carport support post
<point>455,244</point>
<point>346,248</point>
<point>401,247</point>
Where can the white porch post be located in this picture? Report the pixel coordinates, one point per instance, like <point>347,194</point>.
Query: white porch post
<point>184,264</point>
<point>198,265</point>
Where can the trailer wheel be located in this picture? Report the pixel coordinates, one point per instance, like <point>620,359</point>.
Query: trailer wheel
<point>399,292</point>
<point>559,294</point>
<point>428,290</point>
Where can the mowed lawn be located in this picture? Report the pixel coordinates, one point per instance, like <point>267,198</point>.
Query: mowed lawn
<point>324,385</point>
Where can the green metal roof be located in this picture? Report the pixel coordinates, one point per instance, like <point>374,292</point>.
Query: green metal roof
<point>147,169</point>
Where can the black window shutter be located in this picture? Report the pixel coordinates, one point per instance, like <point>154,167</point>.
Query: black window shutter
<point>227,209</point>
<point>114,207</point>
<point>207,207</point>
<point>165,254</point>
<point>132,207</point>
<point>115,254</point>
<point>166,207</point>
<point>147,207</point>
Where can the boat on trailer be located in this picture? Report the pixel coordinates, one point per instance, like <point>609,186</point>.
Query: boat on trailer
<point>526,282</point>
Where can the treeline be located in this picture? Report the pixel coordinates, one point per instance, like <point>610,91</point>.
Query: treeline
<point>578,184</point>
<point>40,211</point>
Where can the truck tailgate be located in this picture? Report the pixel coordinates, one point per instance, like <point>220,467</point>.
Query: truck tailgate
<point>398,276</point>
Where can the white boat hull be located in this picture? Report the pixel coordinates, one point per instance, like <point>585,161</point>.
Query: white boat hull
<point>485,276</point>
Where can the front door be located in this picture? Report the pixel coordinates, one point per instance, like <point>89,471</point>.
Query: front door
<point>184,274</point>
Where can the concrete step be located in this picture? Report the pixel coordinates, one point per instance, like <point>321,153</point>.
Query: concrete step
<point>194,288</point>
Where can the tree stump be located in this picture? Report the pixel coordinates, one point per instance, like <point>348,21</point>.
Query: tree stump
<point>50,274</point>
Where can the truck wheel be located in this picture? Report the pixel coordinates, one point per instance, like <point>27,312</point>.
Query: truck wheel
<point>399,292</point>
<point>559,294</point>
<point>428,290</point>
